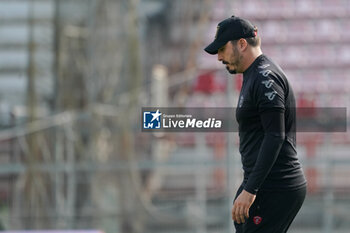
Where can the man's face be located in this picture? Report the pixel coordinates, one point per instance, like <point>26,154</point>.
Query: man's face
<point>230,56</point>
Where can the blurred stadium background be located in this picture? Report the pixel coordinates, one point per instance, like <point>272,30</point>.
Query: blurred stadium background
<point>74,75</point>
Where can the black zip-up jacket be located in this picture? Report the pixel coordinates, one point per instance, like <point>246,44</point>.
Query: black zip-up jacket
<point>266,116</point>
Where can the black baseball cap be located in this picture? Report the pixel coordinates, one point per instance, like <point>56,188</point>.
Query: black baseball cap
<point>233,28</point>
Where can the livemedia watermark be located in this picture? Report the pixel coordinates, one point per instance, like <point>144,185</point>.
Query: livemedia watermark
<point>154,119</point>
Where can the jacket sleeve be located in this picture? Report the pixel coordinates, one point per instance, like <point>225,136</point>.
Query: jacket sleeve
<point>273,124</point>
<point>269,97</point>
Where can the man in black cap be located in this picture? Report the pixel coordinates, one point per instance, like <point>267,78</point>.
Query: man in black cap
<point>274,187</point>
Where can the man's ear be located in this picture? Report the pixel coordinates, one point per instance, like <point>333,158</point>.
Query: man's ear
<point>242,44</point>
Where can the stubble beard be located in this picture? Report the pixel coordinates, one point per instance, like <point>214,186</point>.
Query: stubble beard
<point>235,62</point>
<point>231,71</point>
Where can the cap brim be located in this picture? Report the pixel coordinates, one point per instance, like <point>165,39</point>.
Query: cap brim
<point>214,47</point>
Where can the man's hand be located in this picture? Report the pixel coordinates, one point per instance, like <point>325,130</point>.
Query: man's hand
<point>240,209</point>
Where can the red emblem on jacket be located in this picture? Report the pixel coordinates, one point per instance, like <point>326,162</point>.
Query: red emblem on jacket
<point>257,220</point>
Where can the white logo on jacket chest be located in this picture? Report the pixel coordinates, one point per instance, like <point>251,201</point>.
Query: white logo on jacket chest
<point>240,102</point>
